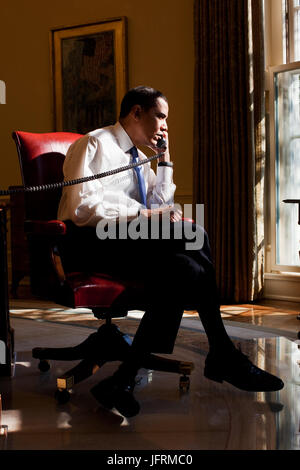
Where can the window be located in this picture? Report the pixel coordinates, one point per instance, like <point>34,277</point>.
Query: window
<point>282,176</point>
<point>286,83</point>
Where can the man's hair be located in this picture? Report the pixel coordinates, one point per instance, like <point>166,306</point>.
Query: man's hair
<point>143,95</point>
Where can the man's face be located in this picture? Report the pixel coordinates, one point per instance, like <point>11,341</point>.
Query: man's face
<point>152,124</point>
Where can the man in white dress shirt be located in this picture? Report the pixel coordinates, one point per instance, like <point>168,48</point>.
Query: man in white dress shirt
<point>104,149</point>
<point>175,278</point>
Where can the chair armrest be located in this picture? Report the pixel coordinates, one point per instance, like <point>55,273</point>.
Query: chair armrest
<point>45,227</point>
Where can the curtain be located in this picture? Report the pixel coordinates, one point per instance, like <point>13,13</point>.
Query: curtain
<point>229,140</point>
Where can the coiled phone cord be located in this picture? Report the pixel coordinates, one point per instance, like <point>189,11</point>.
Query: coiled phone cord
<point>46,187</point>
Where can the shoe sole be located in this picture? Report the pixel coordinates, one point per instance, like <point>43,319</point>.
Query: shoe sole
<point>257,389</point>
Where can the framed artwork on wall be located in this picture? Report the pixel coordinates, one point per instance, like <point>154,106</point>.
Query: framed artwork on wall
<point>89,74</point>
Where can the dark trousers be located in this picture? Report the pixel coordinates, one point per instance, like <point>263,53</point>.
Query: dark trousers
<point>174,278</point>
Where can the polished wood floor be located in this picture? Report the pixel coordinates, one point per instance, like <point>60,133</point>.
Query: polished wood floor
<point>270,315</point>
<point>280,315</point>
<point>211,416</point>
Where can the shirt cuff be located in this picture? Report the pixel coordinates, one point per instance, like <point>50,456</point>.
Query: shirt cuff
<point>166,164</point>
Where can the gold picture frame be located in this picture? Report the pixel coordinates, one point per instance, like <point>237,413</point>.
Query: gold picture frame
<point>89,74</point>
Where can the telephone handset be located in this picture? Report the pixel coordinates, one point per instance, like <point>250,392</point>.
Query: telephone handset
<point>161,143</point>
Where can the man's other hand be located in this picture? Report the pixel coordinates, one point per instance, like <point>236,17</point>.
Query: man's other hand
<point>174,213</point>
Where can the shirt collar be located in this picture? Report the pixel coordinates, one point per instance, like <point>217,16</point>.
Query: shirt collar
<point>123,138</point>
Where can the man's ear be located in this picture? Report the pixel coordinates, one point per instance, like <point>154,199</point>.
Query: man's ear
<point>136,112</point>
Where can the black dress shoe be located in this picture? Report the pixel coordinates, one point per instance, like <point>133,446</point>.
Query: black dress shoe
<point>236,369</point>
<point>115,393</point>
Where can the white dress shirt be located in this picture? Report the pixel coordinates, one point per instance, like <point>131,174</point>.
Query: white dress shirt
<point>112,197</point>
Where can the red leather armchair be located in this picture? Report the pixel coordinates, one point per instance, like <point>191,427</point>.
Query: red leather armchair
<point>41,158</point>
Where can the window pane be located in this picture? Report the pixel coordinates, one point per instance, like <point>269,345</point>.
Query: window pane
<point>287,93</point>
<point>296,3</point>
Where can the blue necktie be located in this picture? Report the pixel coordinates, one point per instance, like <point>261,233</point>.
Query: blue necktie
<point>140,176</point>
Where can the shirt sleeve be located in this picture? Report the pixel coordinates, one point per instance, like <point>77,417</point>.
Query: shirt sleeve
<point>161,188</point>
<point>87,203</point>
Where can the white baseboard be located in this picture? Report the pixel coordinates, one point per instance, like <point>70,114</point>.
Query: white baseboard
<point>282,286</point>
<point>282,297</point>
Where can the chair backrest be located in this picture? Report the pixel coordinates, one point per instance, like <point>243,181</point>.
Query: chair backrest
<point>41,157</point>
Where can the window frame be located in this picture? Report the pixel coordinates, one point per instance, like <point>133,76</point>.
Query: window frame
<point>278,284</point>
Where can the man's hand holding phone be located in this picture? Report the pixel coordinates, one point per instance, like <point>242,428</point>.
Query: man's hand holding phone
<point>164,148</point>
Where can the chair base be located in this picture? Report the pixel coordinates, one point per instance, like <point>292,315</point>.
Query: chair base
<point>108,344</point>
<point>105,345</point>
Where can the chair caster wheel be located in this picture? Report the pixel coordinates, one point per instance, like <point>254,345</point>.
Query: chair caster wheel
<point>44,365</point>
<point>62,396</point>
<point>184,384</point>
